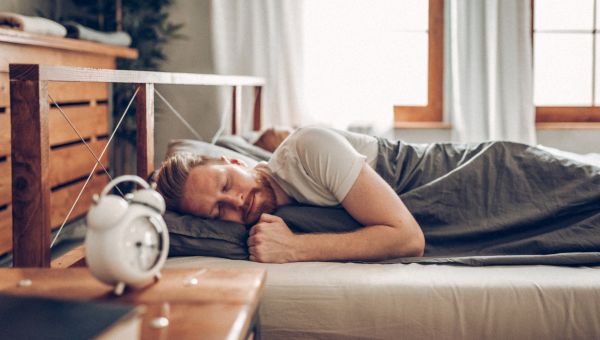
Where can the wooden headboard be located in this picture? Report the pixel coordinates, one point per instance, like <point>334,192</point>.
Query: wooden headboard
<point>87,104</point>
<point>30,140</point>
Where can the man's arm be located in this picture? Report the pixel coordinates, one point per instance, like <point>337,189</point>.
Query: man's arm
<point>390,232</point>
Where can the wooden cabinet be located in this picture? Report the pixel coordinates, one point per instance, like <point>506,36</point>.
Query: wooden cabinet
<point>86,104</point>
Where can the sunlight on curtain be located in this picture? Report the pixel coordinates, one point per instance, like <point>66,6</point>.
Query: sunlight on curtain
<point>361,58</point>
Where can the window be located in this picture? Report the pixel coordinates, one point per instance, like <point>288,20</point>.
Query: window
<point>363,57</point>
<point>566,78</point>
<point>430,114</point>
<point>566,73</point>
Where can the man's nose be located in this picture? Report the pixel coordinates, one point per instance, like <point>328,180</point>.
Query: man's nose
<point>236,199</point>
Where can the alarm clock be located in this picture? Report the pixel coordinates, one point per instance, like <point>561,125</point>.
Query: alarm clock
<point>127,240</point>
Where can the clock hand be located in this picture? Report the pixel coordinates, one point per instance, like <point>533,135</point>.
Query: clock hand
<point>140,244</point>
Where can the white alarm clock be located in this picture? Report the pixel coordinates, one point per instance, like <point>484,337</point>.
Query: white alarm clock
<point>127,240</point>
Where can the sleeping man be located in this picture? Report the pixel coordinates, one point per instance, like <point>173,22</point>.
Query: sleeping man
<point>313,166</point>
<point>495,185</point>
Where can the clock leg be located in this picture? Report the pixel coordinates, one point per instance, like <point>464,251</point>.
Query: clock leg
<point>119,288</point>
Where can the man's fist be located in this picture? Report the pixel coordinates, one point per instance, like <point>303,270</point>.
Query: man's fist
<point>271,241</point>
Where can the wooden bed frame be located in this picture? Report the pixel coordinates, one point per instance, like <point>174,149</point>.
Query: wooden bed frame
<point>30,147</point>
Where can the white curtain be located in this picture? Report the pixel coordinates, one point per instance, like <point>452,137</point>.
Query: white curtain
<point>263,38</point>
<point>489,65</point>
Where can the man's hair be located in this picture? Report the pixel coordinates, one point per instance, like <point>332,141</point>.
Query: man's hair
<point>173,174</point>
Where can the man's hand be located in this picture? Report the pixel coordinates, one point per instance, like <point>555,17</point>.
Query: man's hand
<point>272,241</point>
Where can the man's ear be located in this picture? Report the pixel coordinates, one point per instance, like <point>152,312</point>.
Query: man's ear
<point>239,162</point>
<point>233,161</point>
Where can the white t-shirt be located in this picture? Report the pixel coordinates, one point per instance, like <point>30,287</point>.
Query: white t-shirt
<point>318,166</point>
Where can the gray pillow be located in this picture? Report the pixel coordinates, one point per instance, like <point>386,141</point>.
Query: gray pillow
<point>192,235</point>
<point>240,145</point>
<point>206,149</point>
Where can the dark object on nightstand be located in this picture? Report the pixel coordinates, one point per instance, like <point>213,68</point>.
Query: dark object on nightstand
<point>24,317</point>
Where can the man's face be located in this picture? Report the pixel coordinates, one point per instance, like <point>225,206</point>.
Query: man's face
<point>229,192</point>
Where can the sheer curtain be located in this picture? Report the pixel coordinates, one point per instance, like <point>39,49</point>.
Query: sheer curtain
<point>263,38</point>
<point>489,64</point>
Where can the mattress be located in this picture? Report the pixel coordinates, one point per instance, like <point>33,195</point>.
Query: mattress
<point>325,300</point>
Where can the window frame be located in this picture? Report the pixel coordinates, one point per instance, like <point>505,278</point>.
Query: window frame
<point>562,114</point>
<point>431,115</point>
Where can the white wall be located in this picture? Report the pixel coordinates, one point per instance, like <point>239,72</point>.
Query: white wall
<point>574,140</point>
<point>26,7</point>
<point>193,54</point>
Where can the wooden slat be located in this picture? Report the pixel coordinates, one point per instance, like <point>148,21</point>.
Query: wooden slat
<point>61,200</point>
<point>4,134</point>
<point>81,74</point>
<point>18,37</point>
<point>567,126</point>
<point>73,258</point>
<point>6,230</point>
<point>422,125</point>
<point>5,182</point>
<point>25,54</point>
<point>89,120</point>
<point>4,88</point>
<point>64,92</point>
<point>74,161</point>
<point>78,161</point>
<point>416,114</point>
<point>567,114</point>
<point>93,120</point>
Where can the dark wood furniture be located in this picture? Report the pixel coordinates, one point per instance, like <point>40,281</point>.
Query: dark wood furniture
<point>222,305</point>
<point>86,103</point>
<point>31,180</point>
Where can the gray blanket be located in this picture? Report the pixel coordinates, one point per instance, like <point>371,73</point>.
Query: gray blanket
<point>478,203</point>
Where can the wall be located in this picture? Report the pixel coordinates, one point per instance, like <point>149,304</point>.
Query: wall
<point>26,7</point>
<point>194,54</point>
<point>574,140</point>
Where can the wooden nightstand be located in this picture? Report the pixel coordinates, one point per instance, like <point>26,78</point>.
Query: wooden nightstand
<point>204,303</point>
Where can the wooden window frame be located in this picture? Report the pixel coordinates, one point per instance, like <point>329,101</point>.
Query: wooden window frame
<point>562,114</point>
<point>431,115</point>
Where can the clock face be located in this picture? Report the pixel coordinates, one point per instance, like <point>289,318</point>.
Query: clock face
<point>143,243</point>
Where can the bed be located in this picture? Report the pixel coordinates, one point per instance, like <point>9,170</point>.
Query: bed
<point>315,300</point>
<point>468,297</point>
<point>359,300</point>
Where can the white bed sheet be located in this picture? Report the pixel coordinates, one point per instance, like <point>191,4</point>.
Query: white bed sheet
<point>321,300</point>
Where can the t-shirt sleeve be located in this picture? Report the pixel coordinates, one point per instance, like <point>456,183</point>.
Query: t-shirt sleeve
<point>329,159</point>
